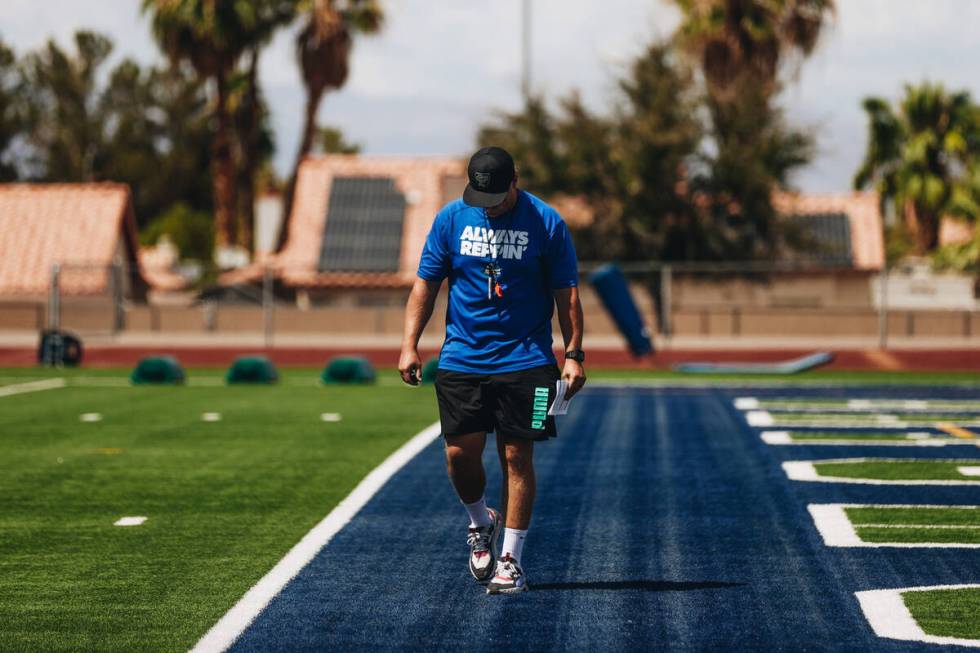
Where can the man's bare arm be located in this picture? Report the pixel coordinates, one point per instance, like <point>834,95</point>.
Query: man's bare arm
<point>571,322</point>
<point>418,310</point>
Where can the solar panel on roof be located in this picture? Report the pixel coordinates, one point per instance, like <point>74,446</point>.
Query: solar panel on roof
<point>363,233</point>
<point>831,235</point>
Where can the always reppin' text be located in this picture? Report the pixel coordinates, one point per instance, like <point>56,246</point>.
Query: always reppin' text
<point>501,243</point>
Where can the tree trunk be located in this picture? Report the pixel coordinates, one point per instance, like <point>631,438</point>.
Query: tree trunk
<point>223,169</point>
<point>250,136</point>
<point>313,98</point>
<point>924,225</point>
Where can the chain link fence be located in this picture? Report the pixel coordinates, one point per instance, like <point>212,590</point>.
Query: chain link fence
<point>681,303</point>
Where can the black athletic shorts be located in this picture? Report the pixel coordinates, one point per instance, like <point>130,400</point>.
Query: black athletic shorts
<point>513,404</point>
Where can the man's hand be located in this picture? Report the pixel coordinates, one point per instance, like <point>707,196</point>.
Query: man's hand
<point>574,375</point>
<point>410,366</point>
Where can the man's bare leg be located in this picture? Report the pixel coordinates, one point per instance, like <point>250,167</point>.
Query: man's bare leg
<point>464,461</point>
<point>520,483</point>
<point>504,476</point>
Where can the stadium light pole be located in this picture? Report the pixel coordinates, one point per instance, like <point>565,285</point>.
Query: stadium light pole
<point>526,50</point>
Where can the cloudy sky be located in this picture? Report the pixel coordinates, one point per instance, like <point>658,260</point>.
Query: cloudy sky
<point>441,67</point>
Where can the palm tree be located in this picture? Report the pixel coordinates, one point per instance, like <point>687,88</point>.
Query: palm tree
<point>212,35</point>
<point>323,48</point>
<point>735,39</point>
<point>923,159</point>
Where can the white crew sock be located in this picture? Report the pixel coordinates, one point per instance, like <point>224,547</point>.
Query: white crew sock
<point>514,543</point>
<point>478,513</point>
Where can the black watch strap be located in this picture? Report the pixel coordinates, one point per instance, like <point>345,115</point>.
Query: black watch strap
<point>575,355</point>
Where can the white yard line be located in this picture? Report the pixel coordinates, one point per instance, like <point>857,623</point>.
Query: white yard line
<point>857,405</point>
<point>889,617</point>
<point>31,386</point>
<point>129,521</point>
<point>782,438</point>
<point>805,470</point>
<point>224,633</point>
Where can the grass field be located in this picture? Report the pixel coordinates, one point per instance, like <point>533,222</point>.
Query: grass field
<point>947,613</point>
<point>918,524</point>
<point>224,500</point>
<point>900,470</point>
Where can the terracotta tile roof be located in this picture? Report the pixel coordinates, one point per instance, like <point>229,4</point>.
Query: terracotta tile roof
<point>862,210</point>
<point>81,226</point>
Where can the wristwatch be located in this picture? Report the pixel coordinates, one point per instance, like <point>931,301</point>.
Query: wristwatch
<point>576,355</point>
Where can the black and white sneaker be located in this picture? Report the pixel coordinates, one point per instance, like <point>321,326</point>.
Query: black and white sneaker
<point>509,578</point>
<point>483,547</point>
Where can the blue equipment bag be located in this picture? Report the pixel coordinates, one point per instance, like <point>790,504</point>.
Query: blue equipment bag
<point>614,292</point>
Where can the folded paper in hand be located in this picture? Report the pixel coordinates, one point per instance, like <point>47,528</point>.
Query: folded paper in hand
<point>560,405</point>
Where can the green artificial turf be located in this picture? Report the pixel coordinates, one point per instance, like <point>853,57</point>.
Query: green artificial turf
<point>894,470</point>
<point>946,613</point>
<point>912,535</point>
<point>923,515</point>
<point>916,524</point>
<point>224,500</point>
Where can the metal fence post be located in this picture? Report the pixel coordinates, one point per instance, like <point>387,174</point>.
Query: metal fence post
<point>118,310</point>
<point>268,306</point>
<point>54,298</point>
<point>666,301</point>
<point>883,307</point>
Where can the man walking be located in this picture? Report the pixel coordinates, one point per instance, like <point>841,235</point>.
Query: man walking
<point>510,260</point>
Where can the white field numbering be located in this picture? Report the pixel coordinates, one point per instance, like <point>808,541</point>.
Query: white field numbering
<point>805,470</point>
<point>837,530</point>
<point>889,617</point>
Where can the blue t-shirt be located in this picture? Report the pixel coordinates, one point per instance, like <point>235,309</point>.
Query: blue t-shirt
<point>532,255</point>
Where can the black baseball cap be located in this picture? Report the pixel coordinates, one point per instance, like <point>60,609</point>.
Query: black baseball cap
<point>490,171</point>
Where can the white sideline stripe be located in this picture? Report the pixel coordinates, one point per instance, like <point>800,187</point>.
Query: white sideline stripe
<point>785,438</point>
<point>804,470</point>
<point>330,417</point>
<point>746,403</point>
<point>836,528</point>
<point>759,418</point>
<point>889,617</point>
<point>969,471</point>
<point>90,417</point>
<point>31,386</point>
<point>210,417</point>
<point>129,521</point>
<point>224,633</point>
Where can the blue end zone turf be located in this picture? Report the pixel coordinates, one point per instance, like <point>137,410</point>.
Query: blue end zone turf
<point>793,366</point>
<point>662,522</point>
